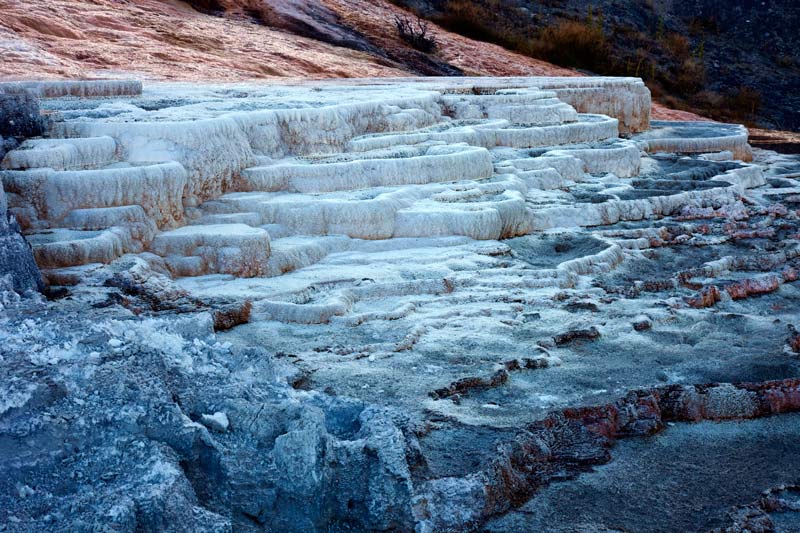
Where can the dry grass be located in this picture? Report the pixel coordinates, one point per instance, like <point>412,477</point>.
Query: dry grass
<point>671,65</point>
<point>566,43</point>
<point>677,46</point>
<point>574,44</point>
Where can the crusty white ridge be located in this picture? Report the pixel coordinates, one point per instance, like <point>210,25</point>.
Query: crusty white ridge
<point>280,179</point>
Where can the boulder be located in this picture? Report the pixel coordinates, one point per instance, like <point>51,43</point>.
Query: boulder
<point>19,115</point>
<point>18,270</point>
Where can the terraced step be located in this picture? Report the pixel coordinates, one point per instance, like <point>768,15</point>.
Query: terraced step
<point>572,163</point>
<point>517,106</point>
<point>235,249</point>
<point>696,138</point>
<point>619,157</point>
<point>543,180</point>
<point>79,88</point>
<point>659,197</point>
<point>555,113</point>
<point>61,247</point>
<point>46,196</point>
<point>485,210</point>
<point>269,191</point>
<point>626,99</point>
<point>448,131</point>
<point>323,288</point>
<point>61,154</point>
<point>568,166</point>
<point>588,128</point>
<point>410,165</point>
<point>97,235</point>
<point>480,216</point>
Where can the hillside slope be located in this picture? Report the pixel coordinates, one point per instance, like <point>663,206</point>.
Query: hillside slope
<point>734,61</point>
<point>230,41</point>
<point>160,40</point>
<point>235,40</point>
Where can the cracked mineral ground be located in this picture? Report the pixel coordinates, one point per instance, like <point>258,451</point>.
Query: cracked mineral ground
<point>432,305</point>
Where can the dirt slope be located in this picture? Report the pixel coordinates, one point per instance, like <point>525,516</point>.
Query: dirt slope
<point>375,19</point>
<point>159,40</point>
<point>171,40</point>
<point>230,40</point>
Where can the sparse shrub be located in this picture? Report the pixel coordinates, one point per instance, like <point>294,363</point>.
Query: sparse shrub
<point>740,105</point>
<point>474,20</point>
<point>691,76</point>
<point>673,102</point>
<point>488,20</point>
<point>595,18</point>
<point>573,44</point>
<point>700,51</point>
<point>677,46</point>
<point>656,90</point>
<point>641,64</point>
<point>746,101</point>
<point>707,100</point>
<point>672,64</point>
<point>660,28</point>
<point>700,26</point>
<point>415,33</point>
<point>580,44</point>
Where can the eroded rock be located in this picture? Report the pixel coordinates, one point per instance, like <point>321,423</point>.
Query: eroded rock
<point>18,271</point>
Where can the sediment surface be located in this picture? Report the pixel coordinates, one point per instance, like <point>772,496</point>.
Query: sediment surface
<point>409,304</point>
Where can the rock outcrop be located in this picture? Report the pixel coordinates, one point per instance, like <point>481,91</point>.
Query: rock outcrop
<point>155,444</point>
<point>19,118</point>
<point>18,271</point>
<point>19,113</point>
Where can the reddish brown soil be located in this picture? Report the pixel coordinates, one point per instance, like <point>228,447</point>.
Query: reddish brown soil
<point>169,40</point>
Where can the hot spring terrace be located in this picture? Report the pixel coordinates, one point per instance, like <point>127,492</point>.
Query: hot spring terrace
<point>250,181</point>
<point>455,272</point>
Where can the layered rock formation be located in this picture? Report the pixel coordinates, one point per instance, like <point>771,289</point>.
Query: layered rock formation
<point>401,305</point>
<point>251,182</point>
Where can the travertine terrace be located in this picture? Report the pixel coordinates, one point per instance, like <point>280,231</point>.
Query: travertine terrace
<point>450,273</point>
<point>257,182</point>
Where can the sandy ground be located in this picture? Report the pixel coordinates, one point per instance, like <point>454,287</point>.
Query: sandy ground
<point>661,112</point>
